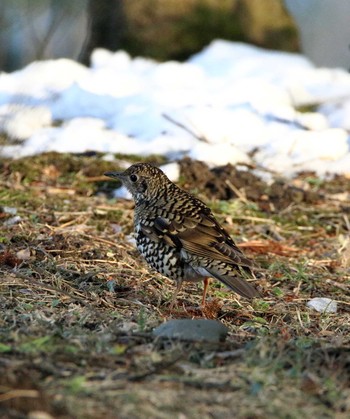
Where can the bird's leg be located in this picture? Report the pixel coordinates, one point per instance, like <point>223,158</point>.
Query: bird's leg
<point>205,289</point>
<point>173,300</point>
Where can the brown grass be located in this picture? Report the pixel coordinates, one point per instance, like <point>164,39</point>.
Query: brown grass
<point>78,306</point>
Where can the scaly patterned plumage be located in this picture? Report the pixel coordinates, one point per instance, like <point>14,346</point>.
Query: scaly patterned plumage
<point>178,234</point>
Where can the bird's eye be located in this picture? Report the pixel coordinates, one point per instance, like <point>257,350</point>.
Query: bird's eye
<point>133,178</point>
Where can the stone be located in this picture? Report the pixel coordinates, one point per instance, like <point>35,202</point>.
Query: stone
<point>197,330</point>
<point>323,305</point>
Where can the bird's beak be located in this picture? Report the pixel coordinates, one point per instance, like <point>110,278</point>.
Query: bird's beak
<point>114,175</point>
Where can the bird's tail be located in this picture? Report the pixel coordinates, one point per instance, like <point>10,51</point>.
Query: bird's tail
<point>235,283</point>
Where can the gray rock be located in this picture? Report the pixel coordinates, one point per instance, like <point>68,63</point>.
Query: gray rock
<point>201,330</point>
<point>12,221</point>
<point>323,305</point>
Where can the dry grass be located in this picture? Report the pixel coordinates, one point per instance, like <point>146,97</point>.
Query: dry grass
<point>78,306</point>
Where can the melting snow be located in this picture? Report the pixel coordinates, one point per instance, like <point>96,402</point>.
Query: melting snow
<point>232,98</point>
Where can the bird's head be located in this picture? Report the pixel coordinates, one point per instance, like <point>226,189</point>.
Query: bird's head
<point>143,180</point>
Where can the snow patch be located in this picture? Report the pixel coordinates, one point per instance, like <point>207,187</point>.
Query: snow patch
<point>224,104</point>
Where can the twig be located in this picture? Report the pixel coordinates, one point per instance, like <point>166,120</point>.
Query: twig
<point>239,194</point>
<point>156,368</point>
<point>347,222</point>
<point>48,287</point>
<point>179,124</point>
<point>13,394</point>
<point>109,242</point>
<point>257,219</point>
<point>338,285</point>
<point>200,384</point>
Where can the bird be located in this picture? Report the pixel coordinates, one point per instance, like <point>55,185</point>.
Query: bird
<point>178,235</point>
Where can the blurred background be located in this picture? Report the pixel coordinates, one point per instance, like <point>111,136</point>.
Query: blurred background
<point>173,29</point>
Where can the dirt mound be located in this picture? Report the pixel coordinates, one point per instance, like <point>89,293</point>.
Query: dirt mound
<point>228,182</point>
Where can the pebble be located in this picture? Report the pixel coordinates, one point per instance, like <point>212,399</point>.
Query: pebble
<point>323,305</point>
<point>198,330</point>
<point>12,221</point>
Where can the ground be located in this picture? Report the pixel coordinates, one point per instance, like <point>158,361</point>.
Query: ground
<point>78,303</point>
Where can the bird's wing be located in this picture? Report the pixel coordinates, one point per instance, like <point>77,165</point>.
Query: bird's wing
<point>200,235</point>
